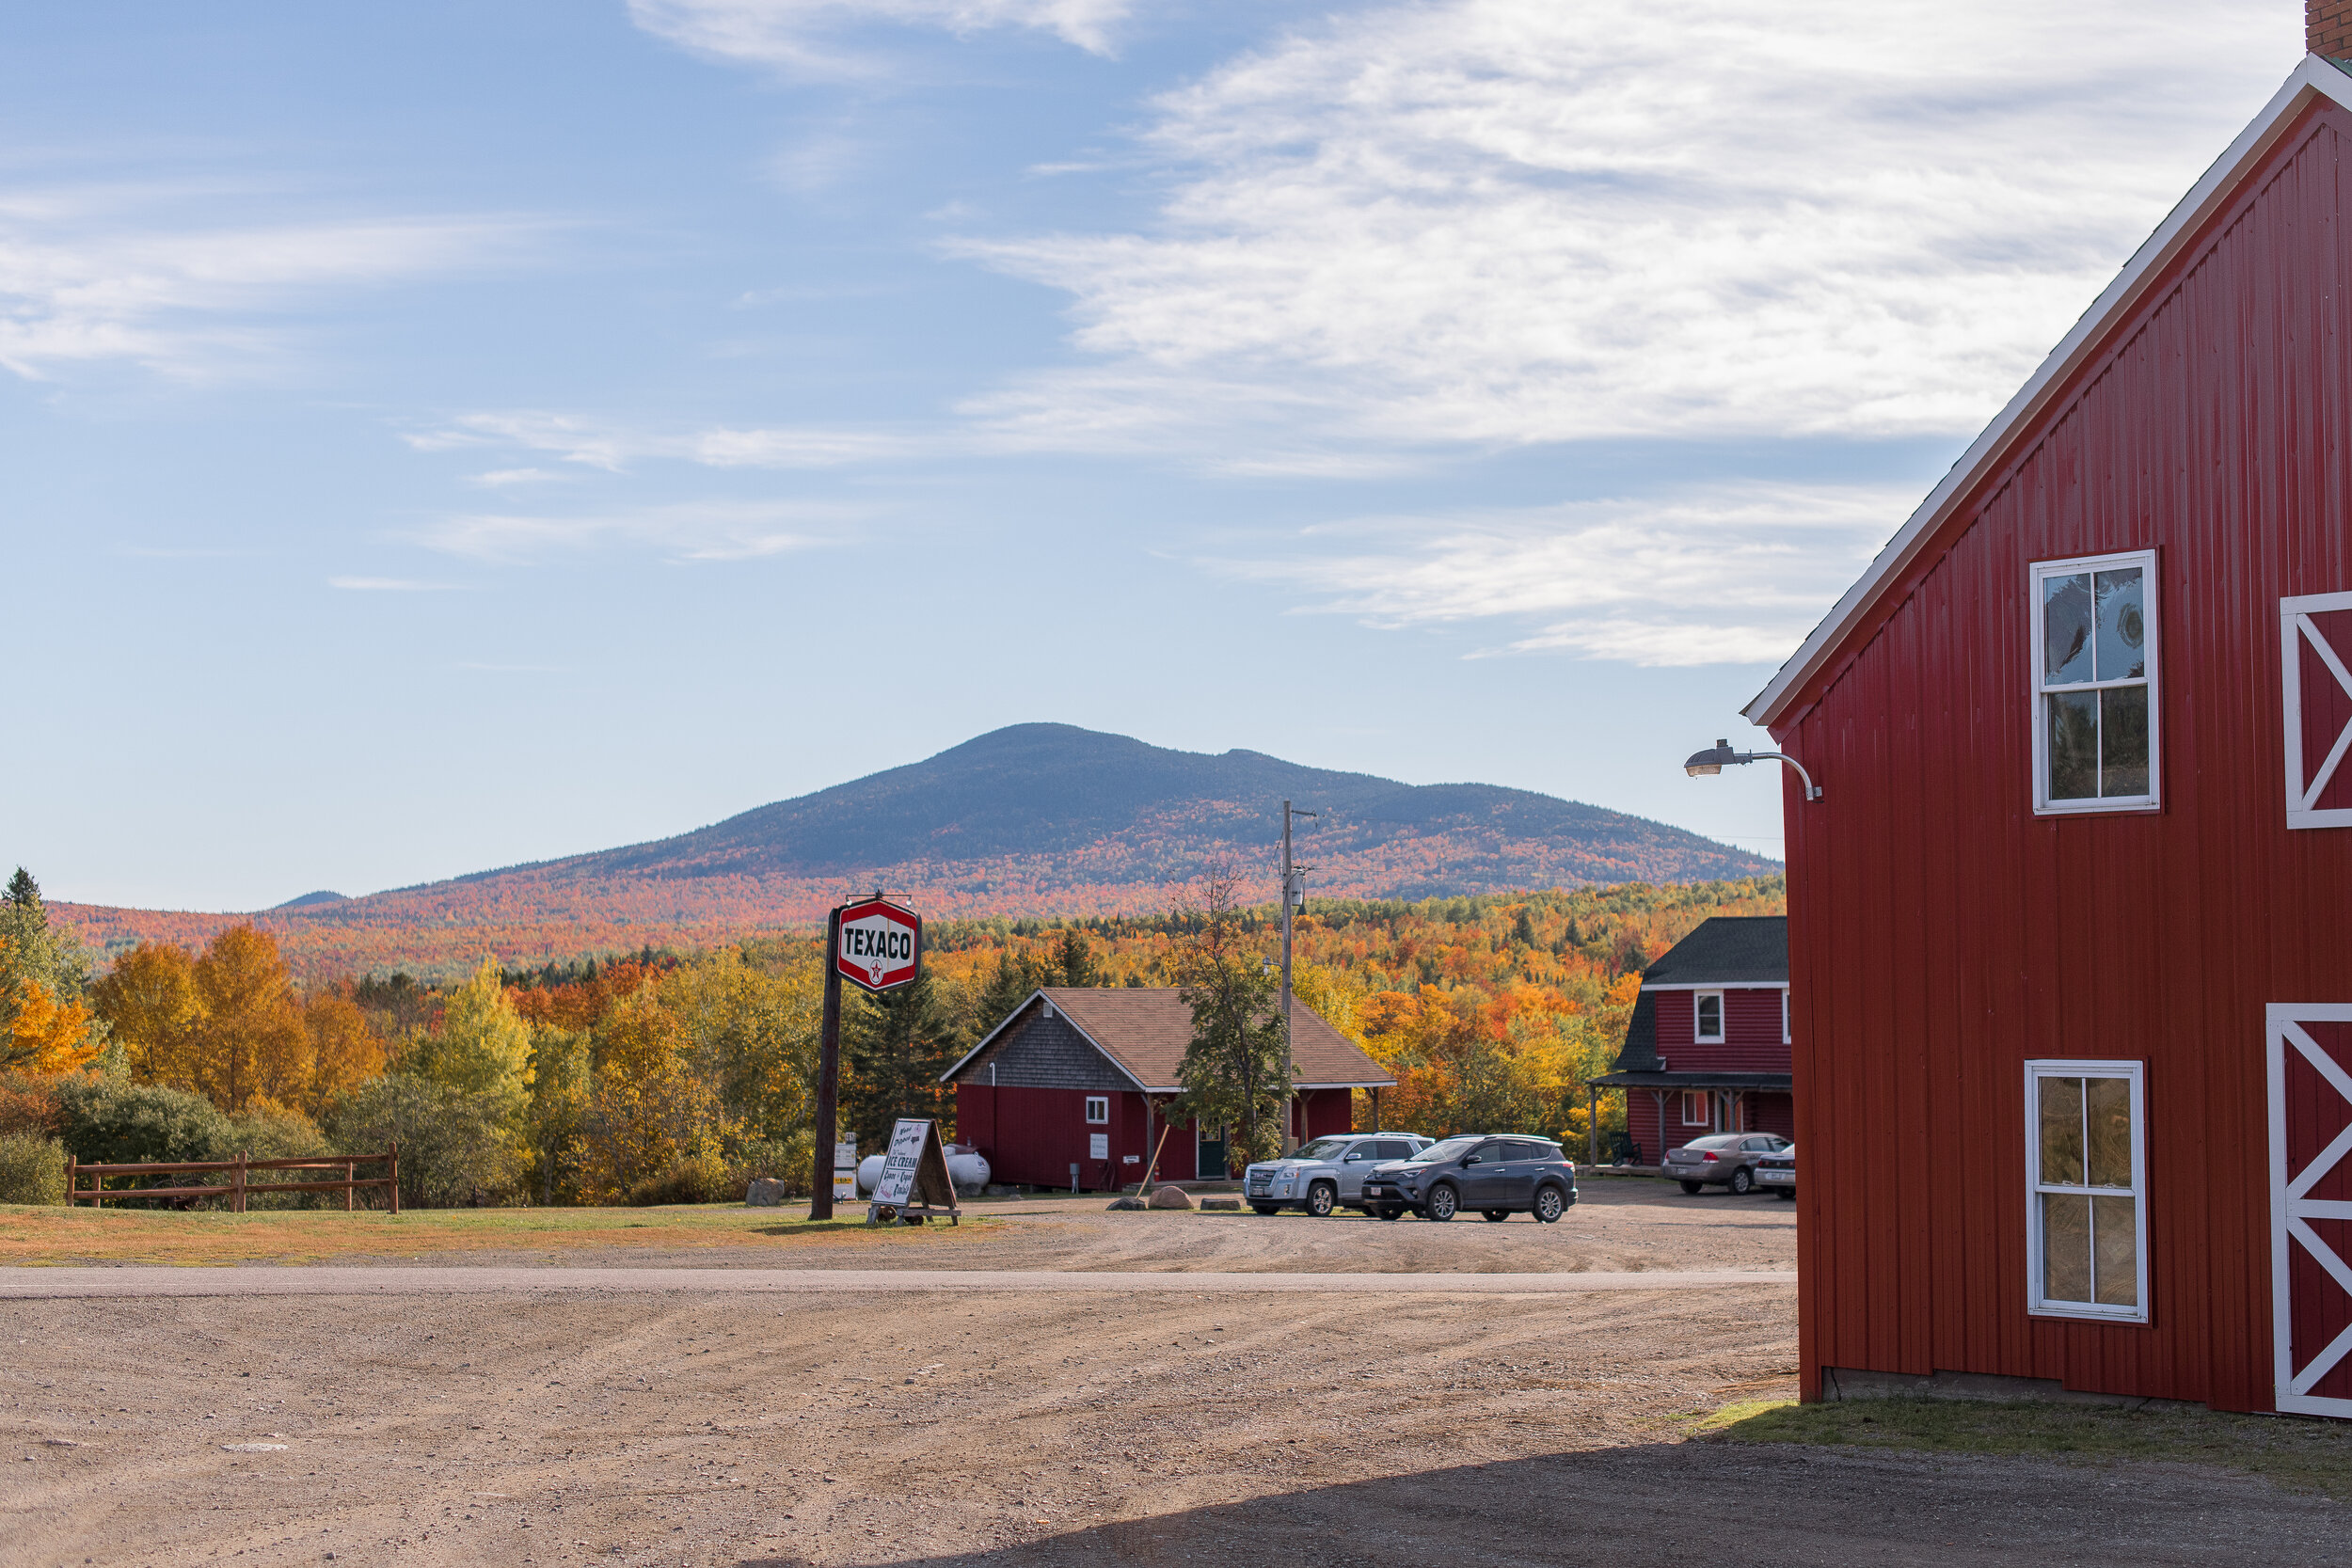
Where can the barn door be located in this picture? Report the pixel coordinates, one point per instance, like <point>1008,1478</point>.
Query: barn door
<point>2311,1207</point>
<point>2315,671</point>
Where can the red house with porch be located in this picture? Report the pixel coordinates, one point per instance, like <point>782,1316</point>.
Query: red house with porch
<point>1707,1049</point>
<point>1073,1087</point>
<point>2069,925</point>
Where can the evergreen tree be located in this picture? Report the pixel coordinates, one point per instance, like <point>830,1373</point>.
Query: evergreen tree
<point>1073,959</point>
<point>24,893</point>
<point>1523,931</point>
<point>897,1044</point>
<point>1008,987</point>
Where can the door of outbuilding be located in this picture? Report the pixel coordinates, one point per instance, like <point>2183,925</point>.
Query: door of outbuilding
<point>2311,1207</point>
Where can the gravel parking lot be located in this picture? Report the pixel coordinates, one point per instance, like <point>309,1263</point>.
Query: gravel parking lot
<point>888,1426</point>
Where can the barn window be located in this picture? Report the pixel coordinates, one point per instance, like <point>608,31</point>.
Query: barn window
<point>2094,660</point>
<point>2316,664</point>
<point>2087,1214</point>
<point>1784,1035</point>
<point>1098,1109</point>
<point>1711,1015</point>
<point>1698,1108</point>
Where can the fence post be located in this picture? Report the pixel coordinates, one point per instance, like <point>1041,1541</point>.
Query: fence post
<point>71,1181</point>
<point>351,1172</point>
<point>394,1158</point>
<point>237,1203</point>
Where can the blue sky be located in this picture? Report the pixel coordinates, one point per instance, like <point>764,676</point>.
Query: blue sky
<point>438,436</point>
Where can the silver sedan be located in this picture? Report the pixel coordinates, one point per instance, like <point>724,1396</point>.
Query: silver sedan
<point>1325,1174</point>
<point>1722,1160</point>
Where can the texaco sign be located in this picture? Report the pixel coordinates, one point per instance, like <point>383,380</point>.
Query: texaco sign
<point>880,945</point>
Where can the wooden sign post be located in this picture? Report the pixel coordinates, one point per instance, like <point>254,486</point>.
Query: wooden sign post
<point>877,946</point>
<point>914,1183</point>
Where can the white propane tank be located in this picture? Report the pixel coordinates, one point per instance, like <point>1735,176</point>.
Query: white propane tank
<point>869,1174</point>
<point>967,1167</point>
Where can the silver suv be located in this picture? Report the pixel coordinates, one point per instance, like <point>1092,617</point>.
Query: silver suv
<point>1326,1173</point>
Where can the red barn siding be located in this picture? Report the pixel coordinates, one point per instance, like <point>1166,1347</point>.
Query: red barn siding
<point>1751,1039</point>
<point>1941,934</point>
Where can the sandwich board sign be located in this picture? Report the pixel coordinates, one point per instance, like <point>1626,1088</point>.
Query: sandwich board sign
<point>879,945</point>
<point>915,1182</point>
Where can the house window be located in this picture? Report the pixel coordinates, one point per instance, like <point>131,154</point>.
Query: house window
<point>2094,661</point>
<point>1785,1036</point>
<point>1097,1109</point>
<point>1711,1016</point>
<point>1697,1109</point>
<point>2087,1219</point>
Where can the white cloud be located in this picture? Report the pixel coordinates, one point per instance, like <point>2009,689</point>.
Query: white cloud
<point>1720,574</point>
<point>801,36</point>
<point>1512,221</point>
<point>609,445</point>
<point>686,530</point>
<point>120,274</point>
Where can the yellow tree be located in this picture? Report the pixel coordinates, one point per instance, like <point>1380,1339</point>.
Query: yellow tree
<point>149,1001</point>
<point>648,1112</point>
<point>37,1033</point>
<point>345,1052</point>
<point>250,1044</point>
<point>483,1046</point>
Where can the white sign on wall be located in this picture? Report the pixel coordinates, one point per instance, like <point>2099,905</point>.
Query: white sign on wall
<point>1098,1146</point>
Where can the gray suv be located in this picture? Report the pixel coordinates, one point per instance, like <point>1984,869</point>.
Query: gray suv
<point>1326,1173</point>
<point>1496,1175</point>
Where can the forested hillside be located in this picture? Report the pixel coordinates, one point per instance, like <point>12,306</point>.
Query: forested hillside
<point>674,1074</point>
<point>1033,820</point>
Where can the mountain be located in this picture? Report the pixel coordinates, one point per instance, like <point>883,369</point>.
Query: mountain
<point>1034,819</point>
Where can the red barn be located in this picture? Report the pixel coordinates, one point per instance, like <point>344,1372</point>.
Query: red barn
<point>1707,1049</point>
<point>1081,1078</point>
<point>2069,927</point>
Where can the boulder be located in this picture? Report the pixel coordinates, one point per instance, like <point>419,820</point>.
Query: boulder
<point>1122,1205</point>
<point>1171,1197</point>
<point>766,1192</point>
<point>1221,1203</point>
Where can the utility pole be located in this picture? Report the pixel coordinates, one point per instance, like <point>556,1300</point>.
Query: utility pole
<point>1294,897</point>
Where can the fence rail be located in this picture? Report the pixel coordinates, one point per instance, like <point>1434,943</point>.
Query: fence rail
<point>238,1187</point>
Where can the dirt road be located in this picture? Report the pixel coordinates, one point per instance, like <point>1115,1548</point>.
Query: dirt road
<point>895,1426</point>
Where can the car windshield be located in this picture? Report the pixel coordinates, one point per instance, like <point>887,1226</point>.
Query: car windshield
<point>1721,1140</point>
<point>1322,1149</point>
<point>1453,1148</point>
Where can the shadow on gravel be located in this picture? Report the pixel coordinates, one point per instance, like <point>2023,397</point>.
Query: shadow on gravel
<point>1777,1506</point>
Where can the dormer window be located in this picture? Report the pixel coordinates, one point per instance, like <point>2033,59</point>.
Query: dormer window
<point>1711,1017</point>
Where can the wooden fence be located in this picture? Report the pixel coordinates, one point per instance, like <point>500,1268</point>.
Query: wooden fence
<point>238,1187</point>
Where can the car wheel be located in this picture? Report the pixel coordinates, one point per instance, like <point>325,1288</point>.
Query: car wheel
<point>1496,1215</point>
<point>1743,1181</point>
<point>1550,1205</point>
<point>1693,1188</point>
<point>1321,1200</point>
<point>1443,1203</point>
<point>1388,1213</point>
<point>1268,1207</point>
<point>1788,1194</point>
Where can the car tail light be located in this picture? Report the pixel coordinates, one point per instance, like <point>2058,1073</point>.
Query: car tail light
<point>1709,1156</point>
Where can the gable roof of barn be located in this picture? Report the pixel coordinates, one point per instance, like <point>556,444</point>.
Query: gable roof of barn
<point>1918,542</point>
<point>1726,950</point>
<point>1143,1031</point>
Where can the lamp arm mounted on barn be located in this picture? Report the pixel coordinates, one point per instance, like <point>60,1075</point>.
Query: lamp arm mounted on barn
<point>1710,762</point>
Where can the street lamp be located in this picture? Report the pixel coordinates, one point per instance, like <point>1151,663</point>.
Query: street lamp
<point>1710,762</point>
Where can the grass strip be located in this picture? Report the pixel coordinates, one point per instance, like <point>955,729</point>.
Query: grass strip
<point>2297,1454</point>
<point>36,1235</point>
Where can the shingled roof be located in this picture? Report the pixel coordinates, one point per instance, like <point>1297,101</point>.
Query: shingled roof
<point>1727,950</point>
<point>1144,1030</point>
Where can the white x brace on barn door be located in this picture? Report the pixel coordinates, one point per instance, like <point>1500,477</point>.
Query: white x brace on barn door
<point>2315,674</point>
<point>2309,1051</point>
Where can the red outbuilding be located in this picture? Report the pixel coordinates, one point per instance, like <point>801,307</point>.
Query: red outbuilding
<point>2071,925</point>
<point>1073,1088</point>
<point>1707,1049</point>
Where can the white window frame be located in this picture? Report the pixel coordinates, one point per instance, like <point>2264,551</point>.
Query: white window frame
<point>2153,800</point>
<point>1097,1109</point>
<point>1701,1096</point>
<point>1722,1022</point>
<point>2036,1303</point>
<point>2292,629</point>
<point>1786,1038</point>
